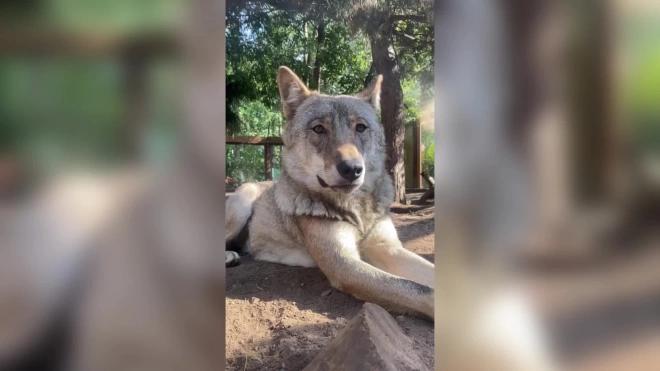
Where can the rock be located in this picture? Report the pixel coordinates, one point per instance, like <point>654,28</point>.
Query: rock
<point>326,292</point>
<point>372,340</point>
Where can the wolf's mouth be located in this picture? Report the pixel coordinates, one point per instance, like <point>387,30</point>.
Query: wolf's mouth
<point>322,182</point>
<point>344,187</point>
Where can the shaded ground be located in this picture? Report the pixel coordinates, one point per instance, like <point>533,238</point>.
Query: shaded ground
<point>279,317</point>
<point>605,315</point>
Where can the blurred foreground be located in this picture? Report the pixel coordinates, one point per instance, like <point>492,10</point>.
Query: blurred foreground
<point>547,207</point>
<point>94,193</point>
<point>110,186</point>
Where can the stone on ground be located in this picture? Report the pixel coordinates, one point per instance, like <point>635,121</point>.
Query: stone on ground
<point>372,340</point>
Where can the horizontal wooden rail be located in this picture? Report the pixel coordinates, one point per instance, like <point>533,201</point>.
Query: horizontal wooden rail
<point>254,140</point>
<point>35,40</point>
<point>269,144</point>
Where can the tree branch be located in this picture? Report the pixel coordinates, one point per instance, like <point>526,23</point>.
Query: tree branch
<point>404,35</point>
<point>408,17</point>
<point>410,40</point>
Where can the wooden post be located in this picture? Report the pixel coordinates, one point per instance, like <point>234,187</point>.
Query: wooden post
<point>591,119</point>
<point>135,87</point>
<point>268,161</point>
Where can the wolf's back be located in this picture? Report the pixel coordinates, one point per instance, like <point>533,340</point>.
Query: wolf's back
<point>238,211</point>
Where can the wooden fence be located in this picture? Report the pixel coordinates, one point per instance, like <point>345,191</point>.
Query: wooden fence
<point>269,144</point>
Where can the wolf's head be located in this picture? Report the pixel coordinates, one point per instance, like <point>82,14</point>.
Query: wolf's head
<point>332,144</point>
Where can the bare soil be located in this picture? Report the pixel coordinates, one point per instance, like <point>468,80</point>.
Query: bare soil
<point>280,317</point>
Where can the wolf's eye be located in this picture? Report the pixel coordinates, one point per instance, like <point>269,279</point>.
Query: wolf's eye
<point>319,129</point>
<point>360,128</point>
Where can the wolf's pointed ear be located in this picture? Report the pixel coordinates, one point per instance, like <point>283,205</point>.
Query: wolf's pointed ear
<point>371,94</point>
<point>292,91</point>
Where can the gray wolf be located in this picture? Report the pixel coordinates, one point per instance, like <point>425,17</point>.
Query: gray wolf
<point>330,206</point>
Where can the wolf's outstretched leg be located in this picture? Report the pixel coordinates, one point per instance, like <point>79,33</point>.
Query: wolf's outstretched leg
<point>333,245</point>
<point>383,249</point>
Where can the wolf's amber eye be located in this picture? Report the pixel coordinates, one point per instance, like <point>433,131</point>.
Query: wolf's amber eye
<point>360,128</point>
<point>319,129</point>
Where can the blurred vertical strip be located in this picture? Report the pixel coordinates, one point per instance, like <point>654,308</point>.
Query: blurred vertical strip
<point>113,257</point>
<point>548,183</point>
<point>204,53</point>
<point>485,94</point>
<point>203,134</point>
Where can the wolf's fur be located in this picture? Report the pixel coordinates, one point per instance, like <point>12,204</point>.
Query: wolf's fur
<point>312,216</point>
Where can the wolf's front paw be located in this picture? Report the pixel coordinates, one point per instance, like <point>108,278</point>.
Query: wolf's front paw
<point>232,259</point>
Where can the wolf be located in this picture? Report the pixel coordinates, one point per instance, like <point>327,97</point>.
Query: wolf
<point>330,206</point>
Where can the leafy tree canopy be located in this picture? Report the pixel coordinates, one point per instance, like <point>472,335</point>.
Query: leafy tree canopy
<point>263,35</point>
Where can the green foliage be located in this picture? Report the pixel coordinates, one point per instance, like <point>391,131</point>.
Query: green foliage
<point>264,35</point>
<point>260,39</point>
<point>257,44</point>
<point>428,153</point>
<point>246,163</point>
<point>642,91</point>
<point>643,108</point>
<point>19,10</point>
<point>122,16</point>
<point>163,113</point>
<point>259,119</point>
<point>412,100</point>
<point>346,60</point>
<point>61,109</point>
<point>57,110</point>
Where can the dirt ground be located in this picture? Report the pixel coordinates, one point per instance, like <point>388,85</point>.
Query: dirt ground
<point>279,317</point>
<point>602,315</point>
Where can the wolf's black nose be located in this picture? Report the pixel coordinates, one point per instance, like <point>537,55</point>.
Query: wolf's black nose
<point>350,170</point>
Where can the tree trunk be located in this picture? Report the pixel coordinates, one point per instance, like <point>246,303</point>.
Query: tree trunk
<point>592,124</point>
<point>135,91</point>
<point>315,84</point>
<point>370,75</point>
<point>269,151</point>
<point>308,59</point>
<point>391,97</point>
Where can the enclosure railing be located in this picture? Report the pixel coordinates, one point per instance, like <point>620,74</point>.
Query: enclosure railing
<point>269,144</point>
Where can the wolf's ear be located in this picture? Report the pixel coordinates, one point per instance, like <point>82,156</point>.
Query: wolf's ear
<point>371,94</point>
<point>292,91</point>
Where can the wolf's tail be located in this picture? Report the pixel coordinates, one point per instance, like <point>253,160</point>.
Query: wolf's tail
<point>239,212</point>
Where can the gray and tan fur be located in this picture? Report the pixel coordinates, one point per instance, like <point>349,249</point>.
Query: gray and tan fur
<point>330,206</point>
